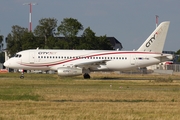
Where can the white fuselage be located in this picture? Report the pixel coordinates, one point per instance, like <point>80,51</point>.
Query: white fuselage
<point>39,59</point>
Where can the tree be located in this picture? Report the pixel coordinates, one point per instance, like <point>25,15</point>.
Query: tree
<point>29,41</point>
<point>44,37</point>
<point>51,43</point>
<point>62,44</point>
<point>2,57</point>
<point>69,27</point>
<point>14,39</point>
<point>104,44</point>
<point>46,28</point>
<point>88,40</point>
<point>178,54</point>
<point>1,38</point>
<point>91,42</point>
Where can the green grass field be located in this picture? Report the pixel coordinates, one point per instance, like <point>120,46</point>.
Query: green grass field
<point>104,97</point>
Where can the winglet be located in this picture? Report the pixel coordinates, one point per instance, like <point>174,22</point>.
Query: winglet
<point>155,42</point>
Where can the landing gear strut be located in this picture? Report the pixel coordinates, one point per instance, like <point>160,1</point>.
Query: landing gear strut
<point>22,74</point>
<point>86,76</point>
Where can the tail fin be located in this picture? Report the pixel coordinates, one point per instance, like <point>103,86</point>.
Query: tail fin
<point>155,42</point>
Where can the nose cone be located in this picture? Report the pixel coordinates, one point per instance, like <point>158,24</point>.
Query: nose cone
<point>6,64</point>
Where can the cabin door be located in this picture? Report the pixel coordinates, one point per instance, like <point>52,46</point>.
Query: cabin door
<point>133,59</point>
<point>31,57</point>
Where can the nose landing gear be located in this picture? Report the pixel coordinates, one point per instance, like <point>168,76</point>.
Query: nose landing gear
<point>22,73</point>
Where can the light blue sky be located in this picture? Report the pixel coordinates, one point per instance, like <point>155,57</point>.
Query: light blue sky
<point>129,21</point>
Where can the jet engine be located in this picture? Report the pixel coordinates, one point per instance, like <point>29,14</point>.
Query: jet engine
<point>65,71</point>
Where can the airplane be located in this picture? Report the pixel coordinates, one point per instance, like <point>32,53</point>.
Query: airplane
<point>78,62</point>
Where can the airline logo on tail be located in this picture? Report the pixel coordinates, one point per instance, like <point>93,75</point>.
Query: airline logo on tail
<point>153,38</point>
<point>151,41</point>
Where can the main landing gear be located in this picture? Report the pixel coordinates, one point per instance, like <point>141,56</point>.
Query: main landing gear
<point>86,72</point>
<point>86,76</point>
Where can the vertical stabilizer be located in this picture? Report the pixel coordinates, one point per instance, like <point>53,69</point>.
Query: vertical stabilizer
<point>155,42</point>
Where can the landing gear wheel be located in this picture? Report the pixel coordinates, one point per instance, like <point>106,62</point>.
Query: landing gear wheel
<point>86,76</point>
<point>22,76</point>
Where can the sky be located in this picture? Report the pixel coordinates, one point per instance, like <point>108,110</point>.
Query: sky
<point>129,21</point>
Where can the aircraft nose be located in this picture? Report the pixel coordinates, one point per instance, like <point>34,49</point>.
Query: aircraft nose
<point>6,64</point>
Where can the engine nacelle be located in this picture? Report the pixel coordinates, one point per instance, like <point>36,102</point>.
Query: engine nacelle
<point>65,71</point>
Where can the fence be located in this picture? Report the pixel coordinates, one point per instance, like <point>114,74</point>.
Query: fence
<point>173,67</point>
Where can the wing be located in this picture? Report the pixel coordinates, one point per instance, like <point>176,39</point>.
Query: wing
<point>91,64</point>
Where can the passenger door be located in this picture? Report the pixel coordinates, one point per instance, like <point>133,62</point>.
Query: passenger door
<point>133,60</point>
<point>31,57</point>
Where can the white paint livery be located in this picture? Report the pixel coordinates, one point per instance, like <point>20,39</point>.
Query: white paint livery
<point>77,62</point>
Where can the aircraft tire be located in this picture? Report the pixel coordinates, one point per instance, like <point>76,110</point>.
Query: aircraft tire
<point>86,76</point>
<point>21,77</point>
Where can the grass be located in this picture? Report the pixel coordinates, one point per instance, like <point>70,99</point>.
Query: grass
<point>105,96</point>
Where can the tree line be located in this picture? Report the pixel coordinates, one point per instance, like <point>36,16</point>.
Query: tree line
<point>48,35</point>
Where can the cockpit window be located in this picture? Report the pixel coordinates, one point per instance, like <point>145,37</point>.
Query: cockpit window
<point>18,55</point>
